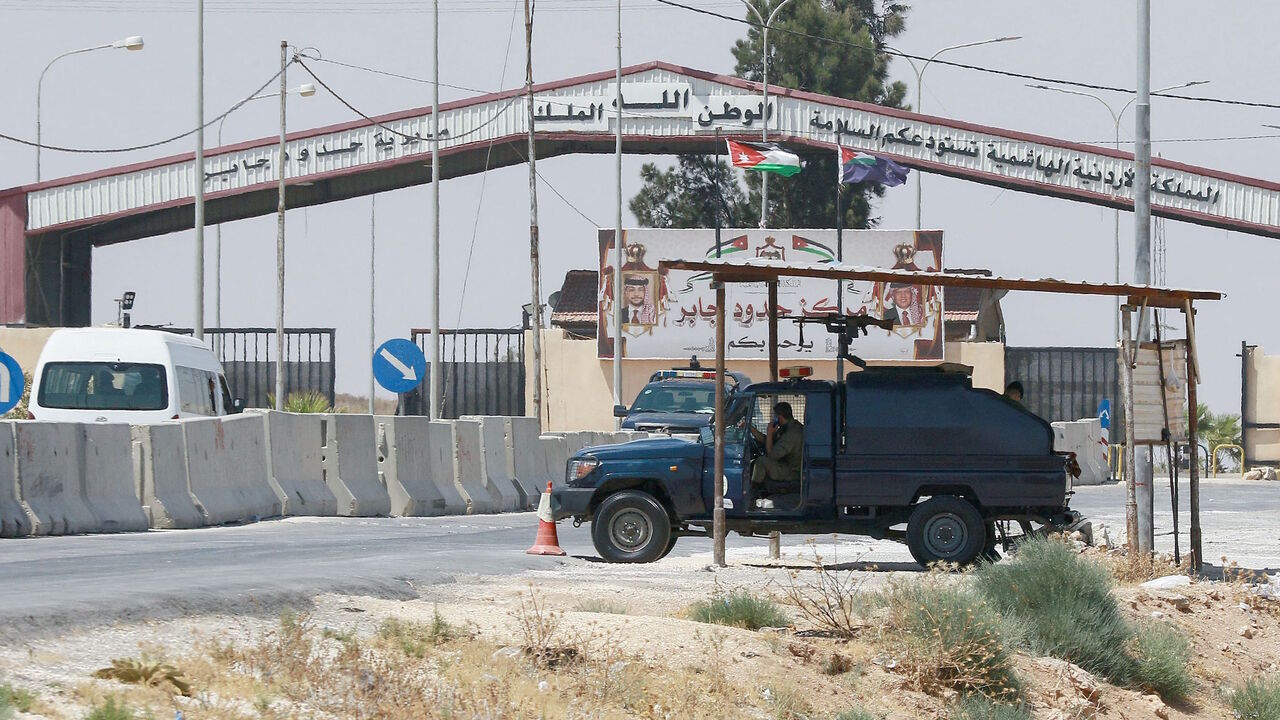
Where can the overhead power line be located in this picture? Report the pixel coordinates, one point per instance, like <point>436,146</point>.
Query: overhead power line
<point>963,66</point>
<point>145,146</point>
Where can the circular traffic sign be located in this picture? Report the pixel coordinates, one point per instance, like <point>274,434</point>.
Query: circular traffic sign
<point>11,383</point>
<point>399,365</point>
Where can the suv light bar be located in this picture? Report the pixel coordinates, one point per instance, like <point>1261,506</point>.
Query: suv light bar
<point>795,372</point>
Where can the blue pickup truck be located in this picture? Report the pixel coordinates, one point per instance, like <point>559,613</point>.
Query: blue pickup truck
<point>918,447</point>
<point>677,402</point>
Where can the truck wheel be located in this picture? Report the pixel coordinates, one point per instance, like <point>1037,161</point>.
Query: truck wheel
<point>945,528</point>
<point>631,527</point>
<point>670,544</point>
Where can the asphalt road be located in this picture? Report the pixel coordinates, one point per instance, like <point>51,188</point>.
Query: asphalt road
<point>54,581</point>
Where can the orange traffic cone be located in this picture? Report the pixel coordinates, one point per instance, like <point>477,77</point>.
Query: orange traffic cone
<point>546,543</point>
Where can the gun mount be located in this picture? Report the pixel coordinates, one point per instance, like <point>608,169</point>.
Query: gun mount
<point>845,327</point>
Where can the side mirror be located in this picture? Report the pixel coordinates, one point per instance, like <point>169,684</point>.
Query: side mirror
<point>237,406</point>
<point>620,411</point>
<point>707,435</point>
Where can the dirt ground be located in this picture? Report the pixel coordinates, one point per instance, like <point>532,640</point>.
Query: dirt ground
<point>631,652</point>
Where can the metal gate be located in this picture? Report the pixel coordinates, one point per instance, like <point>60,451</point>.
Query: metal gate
<point>1064,383</point>
<point>483,373</point>
<point>248,357</point>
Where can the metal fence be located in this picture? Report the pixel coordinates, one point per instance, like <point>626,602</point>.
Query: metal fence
<point>1064,383</point>
<point>248,357</point>
<point>483,373</point>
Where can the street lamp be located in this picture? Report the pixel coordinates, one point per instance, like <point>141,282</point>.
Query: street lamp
<point>304,90</point>
<point>764,129</point>
<point>1116,117</point>
<point>133,42</point>
<point>919,71</point>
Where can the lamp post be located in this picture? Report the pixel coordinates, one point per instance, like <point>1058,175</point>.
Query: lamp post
<point>764,128</point>
<point>1116,117</point>
<point>919,71</point>
<point>133,42</point>
<point>304,90</point>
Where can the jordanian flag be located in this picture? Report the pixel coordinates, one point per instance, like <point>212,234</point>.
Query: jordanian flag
<point>813,247</point>
<point>856,167</point>
<point>767,158</point>
<point>735,245</point>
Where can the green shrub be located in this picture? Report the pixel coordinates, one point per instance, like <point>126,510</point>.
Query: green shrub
<point>739,609</point>
<point>308,401</point>
<point>855,714</point>
<point>1163,653</point>
<point>110,711</point>
<point>951,639</point>
<point>1257,699</point>
<point>12,698</point>
<point>981,708</point>
<point>1063,605</point>
<point>414,639</point>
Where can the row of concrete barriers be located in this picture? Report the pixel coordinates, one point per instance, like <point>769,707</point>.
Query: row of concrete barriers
<point>63,478</point>
<point>1085,439</point>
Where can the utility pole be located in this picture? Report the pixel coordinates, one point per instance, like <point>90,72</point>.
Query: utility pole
<point>437,374</point>
<point>280,165</point>
<point>1143,471</point>
<point>534,269</point>
<point>373,341</point>
<point>618,310</point>
<point>198,326</point>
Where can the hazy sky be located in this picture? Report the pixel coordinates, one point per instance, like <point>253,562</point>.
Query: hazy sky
<point>117,98</point>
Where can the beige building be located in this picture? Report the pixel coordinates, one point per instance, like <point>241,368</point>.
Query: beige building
<point>1261,407</point>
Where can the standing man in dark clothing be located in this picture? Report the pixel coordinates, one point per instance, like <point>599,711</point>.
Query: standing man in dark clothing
<point>1013,393</point>
<point>777,471</point>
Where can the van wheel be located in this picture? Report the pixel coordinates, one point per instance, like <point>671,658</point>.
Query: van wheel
<point>946,528</point>
<point>631,527</point>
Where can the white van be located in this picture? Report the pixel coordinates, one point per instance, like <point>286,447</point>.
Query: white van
<point>129,376</point>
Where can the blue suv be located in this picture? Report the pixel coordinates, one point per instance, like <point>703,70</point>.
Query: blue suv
<point>677,402</point>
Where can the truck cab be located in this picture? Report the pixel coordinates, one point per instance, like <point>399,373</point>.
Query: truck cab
<point>918,447</point>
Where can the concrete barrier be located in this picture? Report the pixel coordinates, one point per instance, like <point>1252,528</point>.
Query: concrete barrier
<point>228,468</point>
<point>50,479</point>
<point>415,460</point>
<point>468,469</point>
<point>527,454</point>
<point>297,466</point>
<point>497,463</point>
<point>1094,449</point>
<point>106,466</point>
<point>1076,437</point>
<point>14,520</point>
<point>160,476</point>
<point>555,456</point>
<point>351,466</point>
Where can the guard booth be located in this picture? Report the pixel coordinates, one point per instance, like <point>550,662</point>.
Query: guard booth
<point>1139,298</point>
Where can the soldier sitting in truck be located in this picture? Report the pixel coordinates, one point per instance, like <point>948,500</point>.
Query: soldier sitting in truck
<point>777,470</point>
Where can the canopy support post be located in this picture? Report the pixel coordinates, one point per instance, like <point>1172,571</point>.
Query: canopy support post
<point>717,513</point>
<point>1193,378</point>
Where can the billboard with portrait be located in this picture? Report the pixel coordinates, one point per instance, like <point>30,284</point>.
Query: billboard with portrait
<point>671,314</point>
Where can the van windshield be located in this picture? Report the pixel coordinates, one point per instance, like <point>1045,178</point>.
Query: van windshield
<point>103,386</point>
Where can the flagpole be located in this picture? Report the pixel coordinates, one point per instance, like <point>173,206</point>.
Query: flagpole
<point>716,183</point>
<point>839,256</point>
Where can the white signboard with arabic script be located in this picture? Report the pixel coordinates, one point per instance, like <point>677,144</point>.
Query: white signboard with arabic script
<point>671,314</point>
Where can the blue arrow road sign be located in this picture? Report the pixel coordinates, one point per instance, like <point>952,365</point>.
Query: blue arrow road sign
<point>1104,413</point>
<point>11,383</point>
<point>399,365</point>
